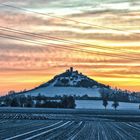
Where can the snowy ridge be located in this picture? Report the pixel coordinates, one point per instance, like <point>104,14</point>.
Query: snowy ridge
<point>68,83</point>
<point>51,91</point>
<point>72,78</point>
<point>71,82</point>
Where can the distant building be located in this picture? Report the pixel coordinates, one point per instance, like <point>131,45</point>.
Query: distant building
<point>71,70</point>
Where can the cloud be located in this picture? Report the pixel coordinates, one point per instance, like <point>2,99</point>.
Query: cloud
<point>23,59</point>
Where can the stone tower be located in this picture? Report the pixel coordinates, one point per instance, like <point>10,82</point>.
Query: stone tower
<point>71,69</point>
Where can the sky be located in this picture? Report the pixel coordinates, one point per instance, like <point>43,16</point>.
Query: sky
<point>103,41</point>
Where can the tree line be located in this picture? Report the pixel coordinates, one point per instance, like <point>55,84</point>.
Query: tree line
<point>38,101</point>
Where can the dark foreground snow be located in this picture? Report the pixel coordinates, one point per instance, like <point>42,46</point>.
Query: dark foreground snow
<point>68,130</point>
<point>69,124</point>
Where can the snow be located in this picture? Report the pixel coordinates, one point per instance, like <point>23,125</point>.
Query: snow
<point>94,104</point>
<point>60,91</point>
<point>77,128</point>
<point>72,80</point>
<point>27,133</point>
<point>73,83</point>
<point>67,83</point>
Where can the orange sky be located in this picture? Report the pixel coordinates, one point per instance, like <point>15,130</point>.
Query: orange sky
<point>113,55</point>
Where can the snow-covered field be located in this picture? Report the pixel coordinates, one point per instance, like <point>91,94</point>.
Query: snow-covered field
<point>68,124</point>
<point>68,130</point>
<point>52,91</point>
<point>94,104</point>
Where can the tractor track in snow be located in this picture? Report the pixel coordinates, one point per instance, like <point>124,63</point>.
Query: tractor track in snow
<point>68,125</point>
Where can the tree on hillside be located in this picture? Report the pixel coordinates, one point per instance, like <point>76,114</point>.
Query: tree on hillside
<point>71,103</point>
<point>29,101</point>
<point>115,103</point>
<point>105,102</point>
<point>22,100</point>
<point>68,102</point>
<point>38,103</point>
<point>14,102</point>
<point>105,96</point>
<point>11,92</point>
<point>7,100</point>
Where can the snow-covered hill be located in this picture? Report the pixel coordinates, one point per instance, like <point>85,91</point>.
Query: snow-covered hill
<point>51,91</point>
<point>68,83</point>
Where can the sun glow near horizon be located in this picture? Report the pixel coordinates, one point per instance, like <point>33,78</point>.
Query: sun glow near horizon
<point>108,36</point>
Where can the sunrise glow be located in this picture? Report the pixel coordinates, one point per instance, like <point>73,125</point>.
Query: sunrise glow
<point>110,50</point>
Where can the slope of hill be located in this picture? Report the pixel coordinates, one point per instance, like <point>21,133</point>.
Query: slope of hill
<point>69,83</point>
<point>78,85</point>
<point>51,91</point>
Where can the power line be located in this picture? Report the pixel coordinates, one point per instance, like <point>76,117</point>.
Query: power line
<point>68,19</point>
<point>63,47</point>
<point>56,39</point>
<point>82,44</point>
<point>65,19</point>
<point>42,44</point>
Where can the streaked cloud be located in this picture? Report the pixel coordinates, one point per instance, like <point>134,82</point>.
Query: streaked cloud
<point>27,63</point>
